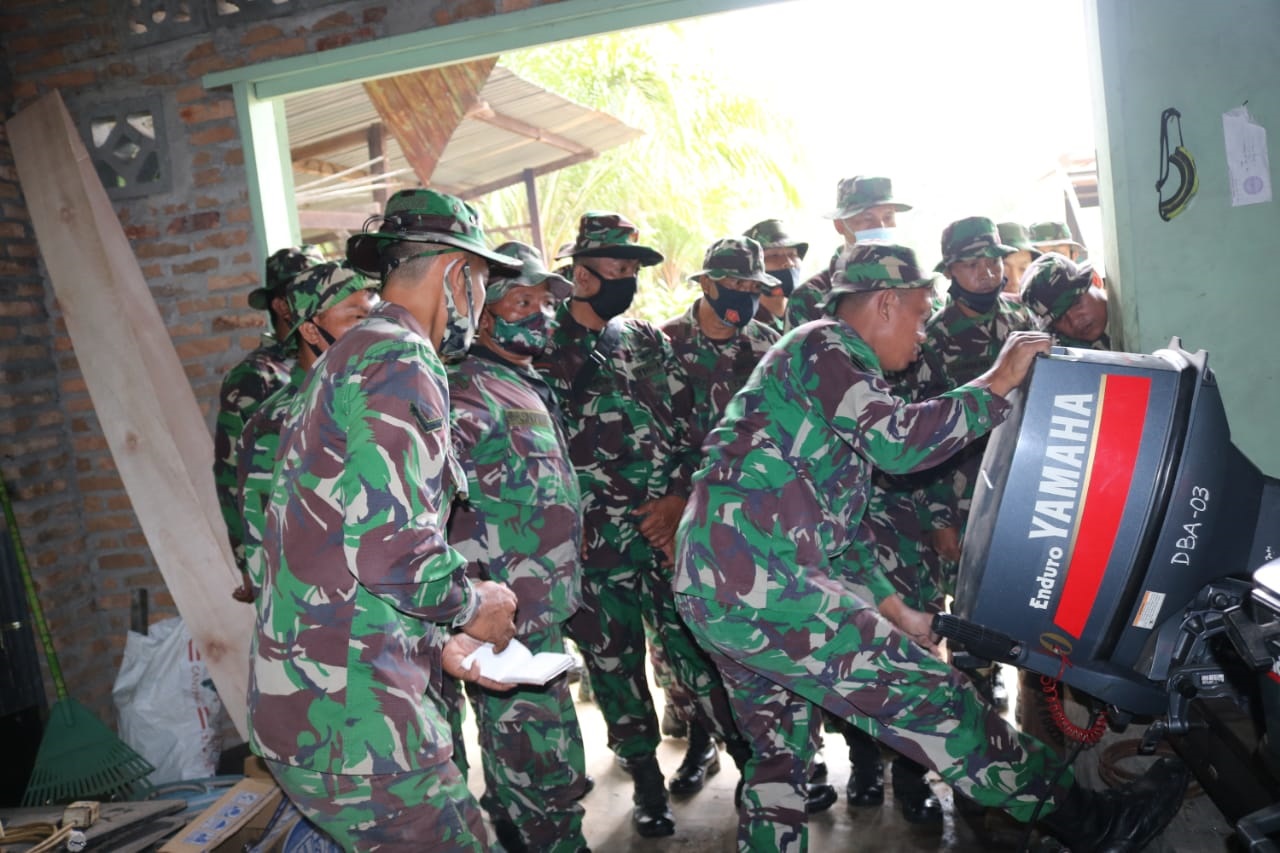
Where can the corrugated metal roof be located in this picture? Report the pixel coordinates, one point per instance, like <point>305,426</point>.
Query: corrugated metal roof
<point>333,123</point>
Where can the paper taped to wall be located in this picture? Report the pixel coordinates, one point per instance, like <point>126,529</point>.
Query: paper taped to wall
<point>1248,169</point>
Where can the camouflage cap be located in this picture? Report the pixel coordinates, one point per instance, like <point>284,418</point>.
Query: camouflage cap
<point>422,216</point>
<point>971,237</point>
<point>736,257</point>
<point>1053,283</point>
<point>1052,234</point>
<point>281,267</point>
<point>533,272</point>
<point>854,195</point>
<point>1015,234</point>
<point>875,265</point>
<point>321,287</point>
<point>609,235</point>
<point>771,235</point>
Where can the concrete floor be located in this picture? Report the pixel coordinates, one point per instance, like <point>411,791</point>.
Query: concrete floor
<point>707,821</point>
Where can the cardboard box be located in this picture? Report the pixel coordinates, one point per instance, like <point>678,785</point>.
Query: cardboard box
<point>237,818</point>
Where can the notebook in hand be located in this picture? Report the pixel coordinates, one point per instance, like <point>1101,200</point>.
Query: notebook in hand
<point>517,665</point>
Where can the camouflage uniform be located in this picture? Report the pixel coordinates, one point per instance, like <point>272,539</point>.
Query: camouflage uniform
<point>714,371</point>
<point>308,294</point>
<point>853,195</point>
<point>771,234</point>
<point>361,585</point>
<point>246,385</point>
<point>957,349</point>
<point>628,447</point>
<point>1053,284</point>
<point>1048,236</point>
<point>350,568</point>
<point>521,525</point>
<point>764,569</point>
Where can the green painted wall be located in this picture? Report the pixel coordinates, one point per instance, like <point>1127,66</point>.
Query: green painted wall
<point>1212,274</point>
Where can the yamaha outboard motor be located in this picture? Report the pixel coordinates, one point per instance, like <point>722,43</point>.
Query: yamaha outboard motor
<point>1113,535</point>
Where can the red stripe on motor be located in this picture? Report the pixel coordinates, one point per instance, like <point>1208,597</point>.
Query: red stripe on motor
<point>1116,446</point>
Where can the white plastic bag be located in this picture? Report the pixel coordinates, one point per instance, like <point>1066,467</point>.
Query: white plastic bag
<point>166,703</point>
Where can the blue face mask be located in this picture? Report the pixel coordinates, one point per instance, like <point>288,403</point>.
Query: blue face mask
<point>888,235</point>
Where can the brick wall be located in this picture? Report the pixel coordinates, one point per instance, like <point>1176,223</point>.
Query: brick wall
<point>194,243</point>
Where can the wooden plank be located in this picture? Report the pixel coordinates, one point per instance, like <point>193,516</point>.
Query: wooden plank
<point>152,424</point>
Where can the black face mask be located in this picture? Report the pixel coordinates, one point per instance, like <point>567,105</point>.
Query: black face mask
<point>614,297</point>
<point>788,277</point>
<point>734,307</point>
<point>324,333</point>
<point>980,302</point>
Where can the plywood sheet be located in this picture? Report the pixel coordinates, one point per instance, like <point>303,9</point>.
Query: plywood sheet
<point>149,415</point>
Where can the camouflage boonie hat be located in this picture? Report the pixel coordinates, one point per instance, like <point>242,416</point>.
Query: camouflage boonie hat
<point>875,265</point>
<point>533,272</point>
<point>854,195</point>
<point>736,257</point>
<point>770,235</point>
<point>1053,283</point>
<point>422,216</point>
<point>320,288</point>
<point>281,267</point>
<point>1052,234</point>
<point>972,237</point>
<point>1015,234</point>
<point>609,235</point>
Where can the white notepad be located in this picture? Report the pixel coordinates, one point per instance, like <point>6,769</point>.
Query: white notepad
<point>517,665</point>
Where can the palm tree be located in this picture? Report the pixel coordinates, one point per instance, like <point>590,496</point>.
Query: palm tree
<point>707,154</point>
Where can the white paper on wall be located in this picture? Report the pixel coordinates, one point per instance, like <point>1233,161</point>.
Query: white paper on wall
<point>1248,170</point>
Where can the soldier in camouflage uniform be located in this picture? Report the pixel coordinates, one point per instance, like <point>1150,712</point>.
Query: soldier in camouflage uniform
<point>1066,299</point>
<point>325,301</point>
<point>962,341</point>
<point>763,570</point>
<point>718,343</point>
<point>522,526</point>
<point>1056,237</point>
<point>1015,234</point>
<point>248,383</point>
<point>865,210</point>
<point>633,463</point>
<point>364,602</point>
<point>782,257</point>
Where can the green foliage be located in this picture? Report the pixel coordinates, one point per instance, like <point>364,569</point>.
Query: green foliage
<point>709,157</point>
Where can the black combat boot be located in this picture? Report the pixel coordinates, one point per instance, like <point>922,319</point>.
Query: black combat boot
<point>651,816</point>
<point>1121,820</point>
<point>701,759</point>
<point>866,776</point>
<point>914,796</point>
<point>509,836</point>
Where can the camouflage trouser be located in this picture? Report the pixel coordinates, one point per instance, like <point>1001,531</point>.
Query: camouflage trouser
<point>531,751</point>
<point>609,628</point>
<point>429,809</point>
<point>609,631</point>
<point>696,686</point>
<point>861,668</point>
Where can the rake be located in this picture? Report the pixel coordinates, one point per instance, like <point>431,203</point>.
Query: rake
<point>79,757</point>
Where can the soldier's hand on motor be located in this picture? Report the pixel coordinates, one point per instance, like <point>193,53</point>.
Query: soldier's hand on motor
<point>494,621</point>
<point>455,651</point>
<point>946,541</point>
<point>1014,360</point>
<point>916,624</point>
<point>658,520</point>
